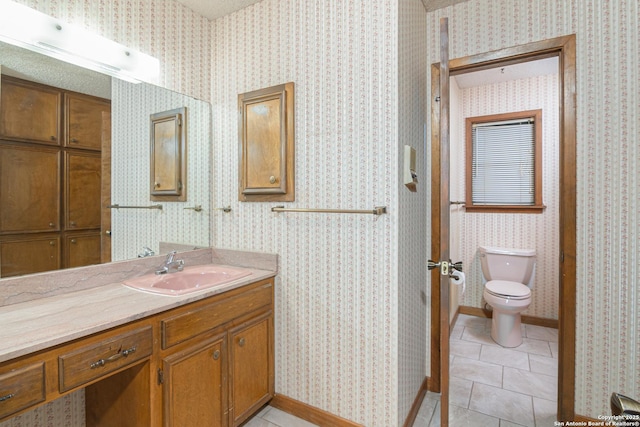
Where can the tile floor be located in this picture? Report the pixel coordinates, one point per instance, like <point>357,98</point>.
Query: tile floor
<point>495,386</point>
<point>274,417</point>
<point>489,385</point>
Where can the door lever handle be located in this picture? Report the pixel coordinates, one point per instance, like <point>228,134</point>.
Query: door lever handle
<point>457,266</point>
<point>431,264</point>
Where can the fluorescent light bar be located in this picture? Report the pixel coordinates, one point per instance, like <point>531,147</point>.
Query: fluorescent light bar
<point>33,30</point>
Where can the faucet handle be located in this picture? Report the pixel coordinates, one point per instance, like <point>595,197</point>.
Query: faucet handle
<point>170,257</point>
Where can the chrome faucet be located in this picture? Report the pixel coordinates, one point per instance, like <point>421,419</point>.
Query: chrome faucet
<point>170,264</point>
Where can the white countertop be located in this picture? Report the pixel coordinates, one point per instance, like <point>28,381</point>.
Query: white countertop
<point>38,324</point>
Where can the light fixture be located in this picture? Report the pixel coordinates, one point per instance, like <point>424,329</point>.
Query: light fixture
<point>33,30</point>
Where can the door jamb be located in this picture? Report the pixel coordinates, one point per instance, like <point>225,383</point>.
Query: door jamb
<point>565,49</point>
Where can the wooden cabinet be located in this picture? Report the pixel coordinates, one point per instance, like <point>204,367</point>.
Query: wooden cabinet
<point>195,385</point>
<point>29,254</point>
<point>266,134</point>
<point>82,249</point>
<point>50,184</point>
<point>240,377</point>
<point>29,194</point>
<point>217,375</point>
<point>82,190</point>
<point>83,121</point>
<point>21,388</point>
<point>251,370</point>
<point>30,112</point>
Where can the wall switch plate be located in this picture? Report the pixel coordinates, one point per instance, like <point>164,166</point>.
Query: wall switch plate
<point>410,177</point>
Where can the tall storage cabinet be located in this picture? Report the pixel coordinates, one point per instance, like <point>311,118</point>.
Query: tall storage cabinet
<point>50,177</point>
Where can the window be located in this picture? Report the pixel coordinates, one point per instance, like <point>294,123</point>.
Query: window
<point>504,163</point>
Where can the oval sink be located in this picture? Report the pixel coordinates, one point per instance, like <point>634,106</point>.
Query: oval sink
<point>191,279</point>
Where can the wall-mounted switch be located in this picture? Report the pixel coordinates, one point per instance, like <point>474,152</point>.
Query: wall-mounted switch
<point>410,177</point>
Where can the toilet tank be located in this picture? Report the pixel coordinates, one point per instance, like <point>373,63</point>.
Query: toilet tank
<point>514,265</point>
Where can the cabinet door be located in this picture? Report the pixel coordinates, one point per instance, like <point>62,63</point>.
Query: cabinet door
<point>84,121</point>
<point>195,386</point>
<point>267,144</point>
<point>82,249</point>
<point>251,372</point>
<point>30,112</point>
<point>29,255</point>
<point>82,190</point>
<point>29,194</point>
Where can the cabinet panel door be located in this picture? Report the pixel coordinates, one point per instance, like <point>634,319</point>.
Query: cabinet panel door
<point>30,112</point>
<point>84,121</point>
<point>82,190</point>
<point>30,255</point>
<point>252,367</point>
<point>82,249</point>
<point>195,386</point>
<point>29,194</point>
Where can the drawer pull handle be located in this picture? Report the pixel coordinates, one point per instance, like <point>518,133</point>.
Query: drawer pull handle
<point>216,355</point>
<point>7,397</point>
<point>102,362</point>
<point>241,342</point>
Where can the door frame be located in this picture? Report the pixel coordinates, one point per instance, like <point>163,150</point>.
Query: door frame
<point>565,49</point>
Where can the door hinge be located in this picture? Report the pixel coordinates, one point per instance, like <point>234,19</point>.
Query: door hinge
<point>160,377</point>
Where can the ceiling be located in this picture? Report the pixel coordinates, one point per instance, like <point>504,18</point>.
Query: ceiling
<point>540,67</point>
<point>214,9</point>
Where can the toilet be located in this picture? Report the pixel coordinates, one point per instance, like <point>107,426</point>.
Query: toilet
<point>508,275</point>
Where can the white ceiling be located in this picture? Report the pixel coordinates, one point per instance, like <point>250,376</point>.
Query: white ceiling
<point>214,9</point>
<point>541,67</point>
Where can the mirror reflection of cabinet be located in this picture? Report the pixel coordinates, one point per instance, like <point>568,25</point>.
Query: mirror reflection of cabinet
<point>30,113</point>
<point>267,144</point>
<point>50,185</point>
<point>169,155</point>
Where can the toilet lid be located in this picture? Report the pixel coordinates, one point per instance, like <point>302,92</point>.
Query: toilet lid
<point>508,289</point>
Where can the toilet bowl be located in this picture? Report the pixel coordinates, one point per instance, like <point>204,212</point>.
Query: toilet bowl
<point>508,276</point>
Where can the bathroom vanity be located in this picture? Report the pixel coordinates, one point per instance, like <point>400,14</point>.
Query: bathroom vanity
<point>203,358</point>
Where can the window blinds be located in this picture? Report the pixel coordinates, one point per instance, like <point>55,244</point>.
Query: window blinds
<point>503,163</point>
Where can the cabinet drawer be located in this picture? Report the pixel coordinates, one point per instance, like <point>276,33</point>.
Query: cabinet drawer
<point>181,327</point>
<point>94,361</point>
<point>21,388</point>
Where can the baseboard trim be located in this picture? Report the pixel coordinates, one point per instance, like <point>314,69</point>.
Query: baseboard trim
<point>529,320</point>
<point>310,413</point>
<point>417,403</point>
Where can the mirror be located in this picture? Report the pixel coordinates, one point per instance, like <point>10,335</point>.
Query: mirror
<point>132,229</point>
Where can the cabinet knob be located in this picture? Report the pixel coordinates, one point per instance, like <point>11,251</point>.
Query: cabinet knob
<point>272,179</point>
<point>51,225</point>
<point>241,342</point>
<point>156,184</point>
<point>72,223</point>
<point>74,241</point>
<point>74,140</point>
<point>53,138</point>
<point>216,355</point>
<point>52,243</point>
<point>108,232</point>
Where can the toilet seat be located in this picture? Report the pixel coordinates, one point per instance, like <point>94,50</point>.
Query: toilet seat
<point>506,289</point>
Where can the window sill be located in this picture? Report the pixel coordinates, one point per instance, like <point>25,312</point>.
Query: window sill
<point>536,209</point>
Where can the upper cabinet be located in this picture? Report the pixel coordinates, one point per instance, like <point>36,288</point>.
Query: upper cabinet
<point>29,194</point>
<point>266,133</point>
<point>30,112</point>
<point>169,155</point>
<point>83,121</point>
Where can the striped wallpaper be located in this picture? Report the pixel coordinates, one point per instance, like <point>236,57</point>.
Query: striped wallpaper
<point>342,297</point>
